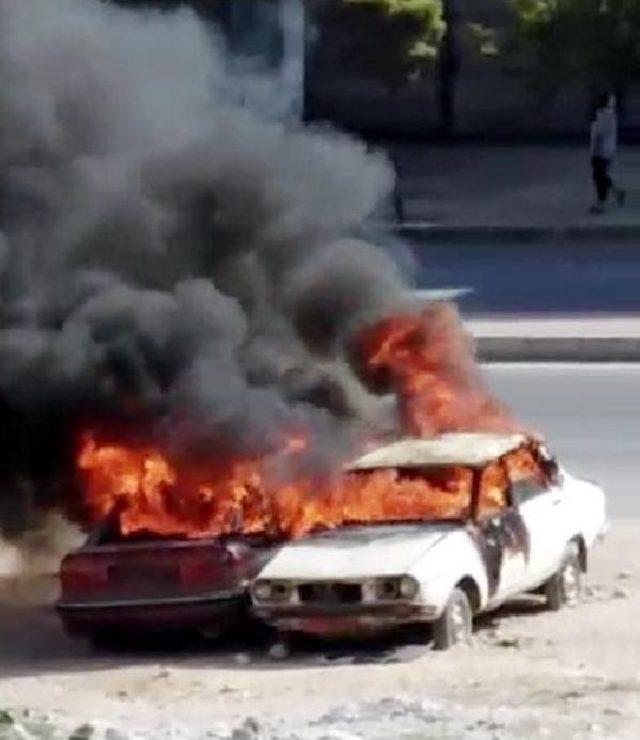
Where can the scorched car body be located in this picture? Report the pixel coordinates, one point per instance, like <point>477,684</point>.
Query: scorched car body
<point>369,577</point>
<point>114,586</point>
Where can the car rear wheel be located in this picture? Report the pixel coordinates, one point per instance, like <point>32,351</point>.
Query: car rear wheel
<point>455,624</point>
<point>565,586</point>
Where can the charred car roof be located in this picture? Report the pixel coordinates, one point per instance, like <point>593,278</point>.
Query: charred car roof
<point>469,450</point>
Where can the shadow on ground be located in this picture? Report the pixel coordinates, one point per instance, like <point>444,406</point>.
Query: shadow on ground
<point>33,643</point>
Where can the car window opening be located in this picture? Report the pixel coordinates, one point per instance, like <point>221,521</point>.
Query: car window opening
<point>402,495</point>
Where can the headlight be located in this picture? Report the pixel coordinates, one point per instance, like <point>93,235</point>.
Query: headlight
<point>387,589</point>
<point>281,591</point>
<point>408,587</point>
<point>272,590</point>
<point>396,587</point>
<point>262,590</point>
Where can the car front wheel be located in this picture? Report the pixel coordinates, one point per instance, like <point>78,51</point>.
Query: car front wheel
<point>455,624</point>
<point>565,586</point>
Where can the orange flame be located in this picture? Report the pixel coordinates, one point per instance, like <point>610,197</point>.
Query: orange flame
<point>426,359</point>
<point>159,497</point>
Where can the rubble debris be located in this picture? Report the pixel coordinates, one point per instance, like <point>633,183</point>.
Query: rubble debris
<point>248,730</point>
<point>621,593</point>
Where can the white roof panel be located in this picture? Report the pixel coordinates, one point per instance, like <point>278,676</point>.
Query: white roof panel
<point>473,449</point>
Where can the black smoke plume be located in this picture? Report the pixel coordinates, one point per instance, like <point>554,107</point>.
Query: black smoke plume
<point>171,264</point>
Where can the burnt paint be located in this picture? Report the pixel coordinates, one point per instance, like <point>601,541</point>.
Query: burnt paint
<point>499,537</point>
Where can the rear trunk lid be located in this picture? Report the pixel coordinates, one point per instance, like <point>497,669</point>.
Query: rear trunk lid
<point>158,569</point>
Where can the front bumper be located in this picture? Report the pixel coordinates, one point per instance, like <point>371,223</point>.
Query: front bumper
<point>344,619</point>
<point>155,615</point>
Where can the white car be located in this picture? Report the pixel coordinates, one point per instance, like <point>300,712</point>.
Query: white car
<point>526,525</point>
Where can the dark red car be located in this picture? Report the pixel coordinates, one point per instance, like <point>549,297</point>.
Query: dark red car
<point>112,585</point>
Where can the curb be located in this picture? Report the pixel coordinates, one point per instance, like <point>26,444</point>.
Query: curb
<point>558,349</point>
<point>481,234</point>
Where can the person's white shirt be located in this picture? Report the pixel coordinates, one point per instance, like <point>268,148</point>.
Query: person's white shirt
<point>604,134</point>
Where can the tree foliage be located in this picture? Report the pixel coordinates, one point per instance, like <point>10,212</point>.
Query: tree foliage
<point>561,41</point>
<point>388,40</point>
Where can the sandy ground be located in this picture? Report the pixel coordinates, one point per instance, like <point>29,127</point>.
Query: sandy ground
<point>573,674</point>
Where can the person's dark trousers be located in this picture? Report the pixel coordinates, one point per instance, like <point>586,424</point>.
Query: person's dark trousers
<point>601,178</point>
<point>398,204</point>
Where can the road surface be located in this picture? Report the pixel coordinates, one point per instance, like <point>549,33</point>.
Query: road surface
<point>591,416</point>
<point>538,278</point>
<point>531,673</point>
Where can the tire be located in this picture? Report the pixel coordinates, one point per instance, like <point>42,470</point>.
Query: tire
<point>455,625</point>
<point>564,588</point>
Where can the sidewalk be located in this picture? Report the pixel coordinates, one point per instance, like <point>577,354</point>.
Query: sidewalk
<point>519,191</point>
<point>515,195</point>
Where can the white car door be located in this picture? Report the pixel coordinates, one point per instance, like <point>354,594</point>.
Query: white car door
<point>505,544</point>
<point>542,509</point>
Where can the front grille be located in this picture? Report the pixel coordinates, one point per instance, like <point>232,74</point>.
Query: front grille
<point>330,593</point>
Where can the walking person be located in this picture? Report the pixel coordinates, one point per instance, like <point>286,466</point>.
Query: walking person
<point>604,145</point>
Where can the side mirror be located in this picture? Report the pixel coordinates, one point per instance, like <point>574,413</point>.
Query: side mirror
<point>549,465</point>
<point>552,470</point>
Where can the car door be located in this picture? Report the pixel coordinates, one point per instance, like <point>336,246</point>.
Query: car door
<point>505,549</point>
<point>541,507</point>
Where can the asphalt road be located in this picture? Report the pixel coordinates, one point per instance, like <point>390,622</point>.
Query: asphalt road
<point>591,416</point>
<point>547,278</point>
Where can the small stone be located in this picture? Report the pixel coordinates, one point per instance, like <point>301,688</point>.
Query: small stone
<point>122,694</point>
<point>624,575</point>
<point>164,673</point>
<point>83,732</point>
<point>242,658</point>
<point>509,642</point>
<point>248,730</point>
<point>279,650</point>
<point>621,593</point>
<point>612,712</point>
<point>112,734</point>
<point>6,718</point>
<point>572,695</point>
<point>226,689</point>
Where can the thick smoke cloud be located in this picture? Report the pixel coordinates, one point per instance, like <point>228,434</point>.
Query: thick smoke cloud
<point>170,264</point>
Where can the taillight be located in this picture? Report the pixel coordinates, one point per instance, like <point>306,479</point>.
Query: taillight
<point>79,575</point>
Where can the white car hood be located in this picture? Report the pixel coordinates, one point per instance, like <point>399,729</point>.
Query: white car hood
<point>357,552</point>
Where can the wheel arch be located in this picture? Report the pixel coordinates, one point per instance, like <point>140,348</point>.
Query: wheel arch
<point>470,587</point>
<point>579,541</point>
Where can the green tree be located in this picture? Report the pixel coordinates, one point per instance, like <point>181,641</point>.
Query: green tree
<point>563,41</point>
<point>392,41</point>
<point>395,41</point>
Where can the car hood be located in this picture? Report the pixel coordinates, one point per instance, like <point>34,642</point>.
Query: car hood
<point>357,552</point>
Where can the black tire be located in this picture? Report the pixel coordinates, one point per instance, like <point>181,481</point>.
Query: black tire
<point>565,586</point>
<point>455,625</point>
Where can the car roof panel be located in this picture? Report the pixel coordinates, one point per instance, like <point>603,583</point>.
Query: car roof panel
<point>465,449</point>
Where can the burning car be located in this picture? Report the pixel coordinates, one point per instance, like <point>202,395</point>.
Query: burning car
<point>487,517</point>
<point>114,585</point>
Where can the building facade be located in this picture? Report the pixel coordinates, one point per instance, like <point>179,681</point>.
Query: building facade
<point>266,41</point>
